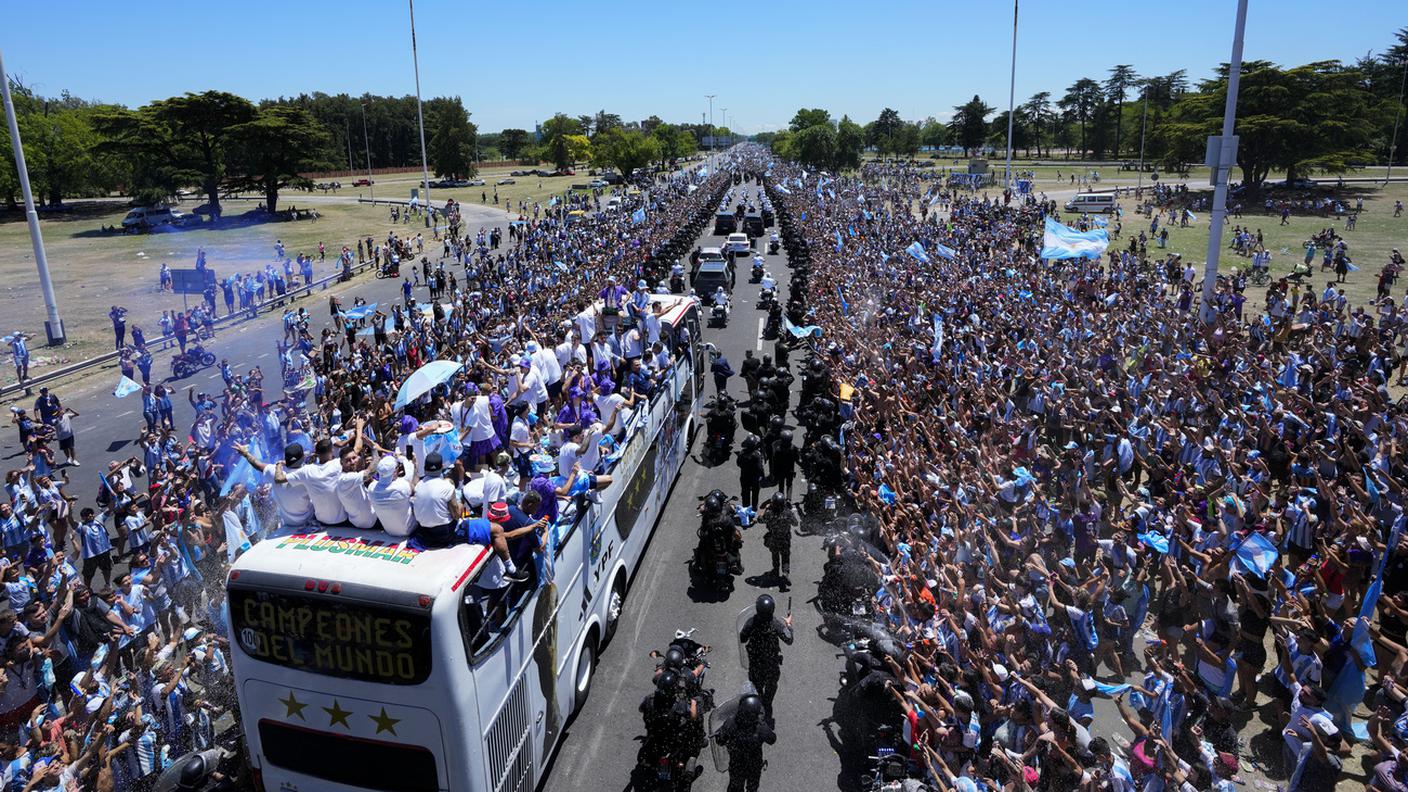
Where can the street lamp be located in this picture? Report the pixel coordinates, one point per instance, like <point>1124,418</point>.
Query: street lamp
<point>366,142</point>
<point>710,97</point>
<point>53,325</point>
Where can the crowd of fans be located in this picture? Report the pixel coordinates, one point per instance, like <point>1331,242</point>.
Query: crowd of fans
<point>1077,488</point>
<point>112,630</point>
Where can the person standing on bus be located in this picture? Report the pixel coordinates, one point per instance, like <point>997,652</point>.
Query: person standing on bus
<point>436,505</point>
<point>295,506</point>
<point>390,495</point>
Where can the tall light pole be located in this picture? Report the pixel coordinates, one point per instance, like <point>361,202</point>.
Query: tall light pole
<point>420,116</point>
<point>1012,94</point>
<point>366,141</point>
<point>1222,156</point>
<point>1397,116</point>
<point>724,111</point>
<point>53,325</point>
<point>1143,125</point>
<point>712,135</point>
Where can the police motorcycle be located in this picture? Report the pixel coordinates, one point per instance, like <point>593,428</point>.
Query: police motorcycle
<point>774,244</point>
<point>717,555</point>
<point>720,422</point>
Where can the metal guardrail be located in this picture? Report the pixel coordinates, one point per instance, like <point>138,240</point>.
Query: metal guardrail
<point>166,342</point>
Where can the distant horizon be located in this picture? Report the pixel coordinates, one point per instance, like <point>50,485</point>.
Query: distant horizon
<point>584,61</point>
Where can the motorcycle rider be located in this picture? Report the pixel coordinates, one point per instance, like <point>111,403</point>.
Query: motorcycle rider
<point>744,735</point>
<point>761,634</point>
<point>718,532</point>
<point>670,724</point>
<point>721,298</point>
<point>778,518</point>
<point>767,286</point>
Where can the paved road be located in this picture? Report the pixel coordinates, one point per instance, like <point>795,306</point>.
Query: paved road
<point>599,749</point>
<point>108,428</point>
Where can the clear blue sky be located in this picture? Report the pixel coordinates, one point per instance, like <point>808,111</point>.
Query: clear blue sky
<point>515,63</point>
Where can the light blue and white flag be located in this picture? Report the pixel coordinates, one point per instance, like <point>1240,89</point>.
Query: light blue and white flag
<point>800,332</point>
<point>638,216</point>
<point>917,251</point>
<point>782,189</point>
<point>359,311</point>
<point>945,251</point>
<point>1064,242</point>
<point>125,387</point>
<point>838,241</point>
<point>1256,554</point>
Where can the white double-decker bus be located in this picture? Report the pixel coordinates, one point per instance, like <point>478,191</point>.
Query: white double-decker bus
<point>362,664</point>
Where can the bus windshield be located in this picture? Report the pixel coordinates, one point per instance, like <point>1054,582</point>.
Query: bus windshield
<point>331,636</point>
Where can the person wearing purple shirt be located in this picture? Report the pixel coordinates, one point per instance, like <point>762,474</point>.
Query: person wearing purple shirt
<point>611,298</point>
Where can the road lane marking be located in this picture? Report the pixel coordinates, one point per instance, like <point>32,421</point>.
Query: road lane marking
<point>760,333</point>
<point>125,414</point>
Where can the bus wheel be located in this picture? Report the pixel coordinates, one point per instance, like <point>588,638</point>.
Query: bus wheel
<point>586,667</point>
<point>614,606</point>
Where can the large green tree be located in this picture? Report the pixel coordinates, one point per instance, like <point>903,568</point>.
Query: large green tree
<point>200,126</point>
<point>815,146</point>
<point>1080,103</point>
<point>1117,86</point>
<point>625,150</point>
<point>273,150</point>
<point>850,141</point>
<point>452,140</point>
<point>555,131</point>
<point>881,132</point>
<point>809,118</point>
<point>1316,117</point>
<point>514,142</point>
<point>970,124</point>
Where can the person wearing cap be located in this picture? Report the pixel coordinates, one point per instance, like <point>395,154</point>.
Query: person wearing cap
<point>612,298</point>
<point>292,497</point>
<point>390,495</point>
<point>436,505</point>
<point>20,352</point>
<point>47,406</point>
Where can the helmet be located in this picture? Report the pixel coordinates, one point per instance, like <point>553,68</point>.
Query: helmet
<point>667,682</point>
<point>674,658</point>
<point>765,607</point>
<point>713,502</point>
<point>750,442</point>
<point>750,707</point>
<point>776,422</point>
<point>779,498</point>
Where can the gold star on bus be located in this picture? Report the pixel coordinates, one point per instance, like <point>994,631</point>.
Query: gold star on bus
<point>385,722</point>
<point>294,706</point>
<point>336,715</point>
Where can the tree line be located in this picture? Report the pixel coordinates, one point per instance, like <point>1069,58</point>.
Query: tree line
<point>219,142</point>
<point>603,140</point>
<point>1326,116</point>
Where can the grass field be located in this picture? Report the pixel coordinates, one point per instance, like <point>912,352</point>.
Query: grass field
<point>93,271</point>
<point>1376,234</point>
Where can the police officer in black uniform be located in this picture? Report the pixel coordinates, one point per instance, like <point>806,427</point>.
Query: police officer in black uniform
<point>762,635</point>
<point>744,735</point>
<point>778,519</point>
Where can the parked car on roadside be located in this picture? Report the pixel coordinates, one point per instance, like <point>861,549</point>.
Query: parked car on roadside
<point>507,180</point>
<point>363,183</point>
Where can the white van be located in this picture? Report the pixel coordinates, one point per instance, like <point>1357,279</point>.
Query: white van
<point>1091,203</point>
<point>151,216</point>
<point>613,204</point>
